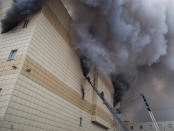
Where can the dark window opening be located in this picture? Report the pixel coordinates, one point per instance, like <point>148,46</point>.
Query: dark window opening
<point>81,121</point>
<point>0,90</point>
<point>118,110</point>
<point>12,54</point>
<point>83,92</point>
<point>25,23</point>
<point>131,127</point>
<point>141,127</point>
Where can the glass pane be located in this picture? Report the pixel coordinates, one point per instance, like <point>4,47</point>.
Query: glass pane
<point>170,126</point>
<point>12,55</point>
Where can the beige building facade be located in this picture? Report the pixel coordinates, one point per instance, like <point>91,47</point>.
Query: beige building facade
<point>41,81</point>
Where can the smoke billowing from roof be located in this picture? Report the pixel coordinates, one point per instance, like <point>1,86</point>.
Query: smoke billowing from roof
<point>121,36</point>
<point>117,36</point>
<point>19,10</point>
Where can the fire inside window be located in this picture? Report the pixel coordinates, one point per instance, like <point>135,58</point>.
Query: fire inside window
<point>12,54</point>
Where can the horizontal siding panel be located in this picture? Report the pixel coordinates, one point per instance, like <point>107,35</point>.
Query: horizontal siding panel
<point>32,103</point>
<point>52,52</point>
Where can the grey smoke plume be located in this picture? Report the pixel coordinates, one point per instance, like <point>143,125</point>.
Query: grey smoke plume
<point>121,36</point>
<point>1,3</point>
<point>19,10</point>
<point>156,83</point>
<point>116,36</point>
<point>131,34</point>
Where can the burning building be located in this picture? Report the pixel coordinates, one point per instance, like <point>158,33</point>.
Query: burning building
<point>42,86</point>
<point>53,53</point>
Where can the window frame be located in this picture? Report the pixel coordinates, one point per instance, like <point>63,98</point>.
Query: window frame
<point>12,54</point>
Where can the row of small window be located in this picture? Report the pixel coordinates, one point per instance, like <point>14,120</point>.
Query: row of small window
<point>150,126</point>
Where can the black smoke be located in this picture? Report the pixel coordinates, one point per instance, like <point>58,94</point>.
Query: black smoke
<point>120,85</point>
<point>117,36</point>
<point>19,10</point>
<point>119,82</point>
<point>86,65</point>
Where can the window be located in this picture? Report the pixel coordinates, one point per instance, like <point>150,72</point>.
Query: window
<point>12,54</point>
<point>141,127</point>
<point>170,126</point>
<point>160,126</point>
<point>0,90</point>
<point>150,126</point>
<point>83,93</point>
<point>81,121</point>
<point>131,127</point>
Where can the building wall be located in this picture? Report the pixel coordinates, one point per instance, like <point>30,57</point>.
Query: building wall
<point>99,108</point>
<point>4,6</point>
<point>9,69</point>
<point>148,126</point>
<point>47,92</point>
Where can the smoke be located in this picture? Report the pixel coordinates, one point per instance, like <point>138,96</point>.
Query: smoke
<point>122,36</point>
<point>118,37</point>
<point>131,34</point>
<point>156,83</point>
<point>19,10</point>
<point>120,87</point>
<point>1,1</point>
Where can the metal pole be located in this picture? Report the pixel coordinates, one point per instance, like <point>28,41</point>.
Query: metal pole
<point>150,113</point>
<point>101,95</point>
